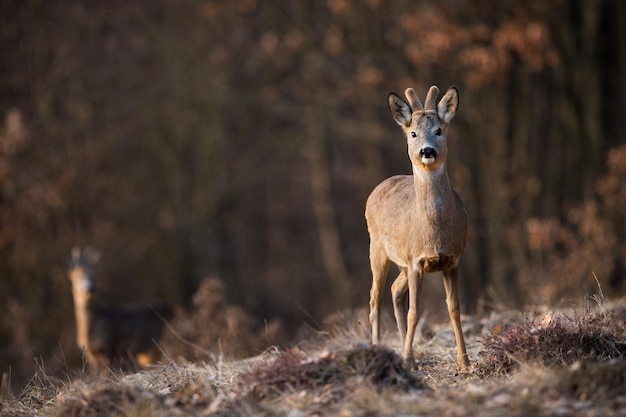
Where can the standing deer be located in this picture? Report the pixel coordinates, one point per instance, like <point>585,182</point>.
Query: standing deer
<point>111,336</point>
<point>418,221</point>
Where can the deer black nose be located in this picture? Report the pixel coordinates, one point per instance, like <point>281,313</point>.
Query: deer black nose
<point>428,152</point>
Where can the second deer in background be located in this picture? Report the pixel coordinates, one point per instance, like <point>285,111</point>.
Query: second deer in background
<point>418,221</point>
<point>112,337</point>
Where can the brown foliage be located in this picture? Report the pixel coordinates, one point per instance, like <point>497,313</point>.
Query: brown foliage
<point>589,243</point>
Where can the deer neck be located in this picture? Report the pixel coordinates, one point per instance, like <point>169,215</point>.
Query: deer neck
<point>432,190</point>
<point>81,311</point>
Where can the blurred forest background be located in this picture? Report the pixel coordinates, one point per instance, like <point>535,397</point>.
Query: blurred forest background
<point>239,140</point>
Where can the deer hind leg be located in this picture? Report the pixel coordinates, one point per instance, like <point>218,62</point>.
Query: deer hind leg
<point>145,359</point>
<point>380,266</point>
<point>452,300</point>
<point>101,364</point>
<point>400,294</point>
<point>415,278</point>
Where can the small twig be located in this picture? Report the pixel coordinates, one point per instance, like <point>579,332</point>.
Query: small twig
<point>598,298</point>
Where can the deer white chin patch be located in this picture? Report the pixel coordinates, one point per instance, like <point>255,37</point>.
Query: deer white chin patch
<point>427,161</point>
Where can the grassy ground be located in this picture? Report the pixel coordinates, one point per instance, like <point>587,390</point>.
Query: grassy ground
<point>544,364</point>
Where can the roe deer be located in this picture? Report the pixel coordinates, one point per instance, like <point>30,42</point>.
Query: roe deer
<point>418,221</point>
<point>112,336</point>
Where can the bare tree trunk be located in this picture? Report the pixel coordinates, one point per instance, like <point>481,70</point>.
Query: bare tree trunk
<point>323,208</point>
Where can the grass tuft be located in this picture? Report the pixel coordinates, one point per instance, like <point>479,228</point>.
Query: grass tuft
<point>293,371</point>
<point>554,340</point>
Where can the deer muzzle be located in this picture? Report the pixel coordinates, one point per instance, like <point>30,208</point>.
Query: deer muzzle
<point>89,287</point>
<point>428,155</point>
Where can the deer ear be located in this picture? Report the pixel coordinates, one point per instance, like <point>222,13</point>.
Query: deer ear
<point>446,109</point>
<point>93,254</point>
<point>400,110</point>
<point>75,254</point>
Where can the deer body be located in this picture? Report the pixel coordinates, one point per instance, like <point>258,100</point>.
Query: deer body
<point>112,336</point>
<point>418,221</point>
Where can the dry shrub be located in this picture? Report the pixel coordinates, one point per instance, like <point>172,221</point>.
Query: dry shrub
<point>293,371</point>
<point>215,327</point>
<point>556,340</point>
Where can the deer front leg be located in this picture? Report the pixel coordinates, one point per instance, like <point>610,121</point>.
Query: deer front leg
<point>380,266</point>
<point>400,292</point>
<point>452,300</point>
<point>415,278</point>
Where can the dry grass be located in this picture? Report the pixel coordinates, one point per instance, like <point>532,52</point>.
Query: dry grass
<point>556,364</point>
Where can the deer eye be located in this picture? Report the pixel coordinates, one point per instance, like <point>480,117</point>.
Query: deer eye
<point>413,134</point>
<point>438,131</point>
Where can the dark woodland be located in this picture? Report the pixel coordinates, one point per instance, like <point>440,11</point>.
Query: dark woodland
<point>237,142</point>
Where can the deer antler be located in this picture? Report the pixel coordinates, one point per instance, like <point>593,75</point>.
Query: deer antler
<point>431,98</point>
<point>414,101</point>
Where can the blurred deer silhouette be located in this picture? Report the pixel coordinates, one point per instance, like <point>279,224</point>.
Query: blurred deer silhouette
<point>112,337</point>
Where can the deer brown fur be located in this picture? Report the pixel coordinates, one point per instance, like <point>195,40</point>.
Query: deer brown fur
<point>112,337</point>
<point>418,221</point>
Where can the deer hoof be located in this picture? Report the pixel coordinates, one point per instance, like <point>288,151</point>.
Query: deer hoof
<point>410,364</point>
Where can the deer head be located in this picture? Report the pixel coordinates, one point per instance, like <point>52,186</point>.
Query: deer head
<point>425,127</point>
<point>81,271</point>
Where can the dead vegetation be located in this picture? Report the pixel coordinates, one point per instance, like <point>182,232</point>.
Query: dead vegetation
<point>559,363</point>
<point>331,372</point>
<point>213,327</point>
<point>552,340</point>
